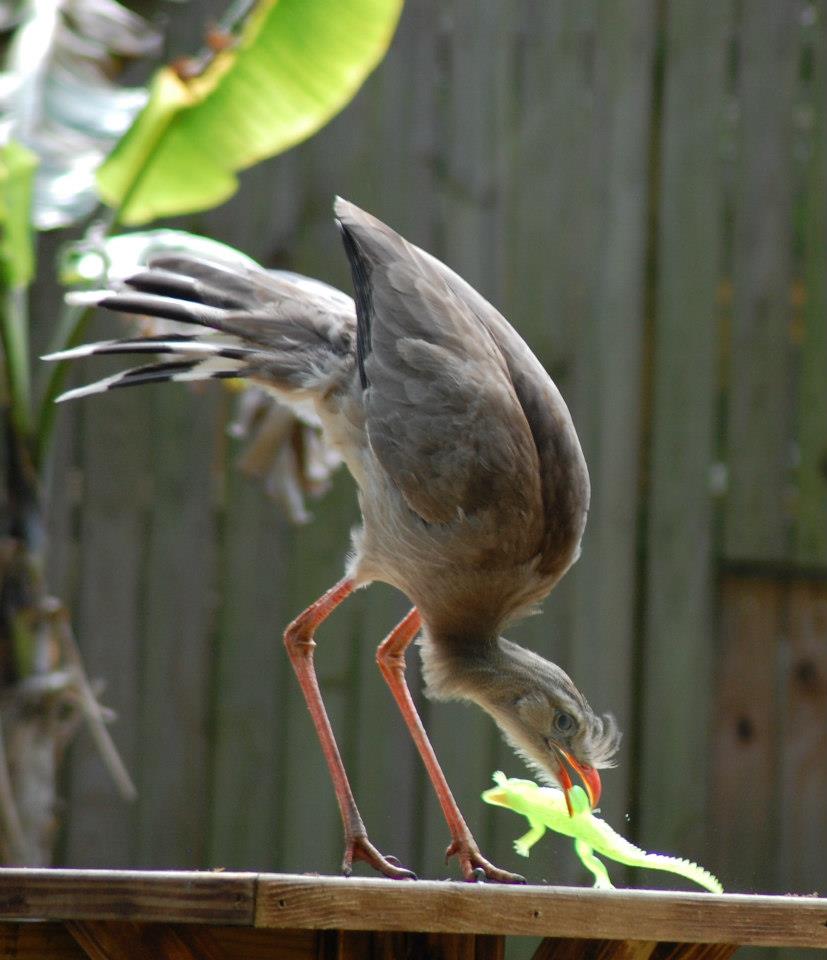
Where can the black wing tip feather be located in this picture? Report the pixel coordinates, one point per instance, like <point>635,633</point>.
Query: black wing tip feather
<point>163,372</point>
<point>363,294</point>
<point>150,373</point>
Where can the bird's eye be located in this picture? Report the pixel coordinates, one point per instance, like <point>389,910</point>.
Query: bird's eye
<point>563,722</point>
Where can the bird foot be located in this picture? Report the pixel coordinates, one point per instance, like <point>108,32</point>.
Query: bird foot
<point>475,867</point>
<point>360,848</point>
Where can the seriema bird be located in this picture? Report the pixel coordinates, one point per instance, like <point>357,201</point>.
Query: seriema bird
<point>471,481</point>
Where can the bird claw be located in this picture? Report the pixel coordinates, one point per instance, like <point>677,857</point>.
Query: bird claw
<point>475,868</point>
<point>360,848</point>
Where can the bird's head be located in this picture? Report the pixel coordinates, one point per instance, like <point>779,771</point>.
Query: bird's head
<point>549,723</point>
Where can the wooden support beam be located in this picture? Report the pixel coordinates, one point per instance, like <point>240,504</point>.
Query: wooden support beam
<point>38,941</point>
<point>124,940</point>
<point>378,945</point>
<point>555,948</point>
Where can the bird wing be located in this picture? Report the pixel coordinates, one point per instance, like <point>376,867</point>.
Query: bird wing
<point>442,414</point>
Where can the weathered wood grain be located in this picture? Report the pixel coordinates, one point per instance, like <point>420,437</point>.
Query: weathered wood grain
<point>102,940</point>
<point>676,657</point>
<point>802,821</point>
<point>176,625</point>
<point>337,903</point>
<point>811,512</point>
<point>694,951</point>
<point>126,940</point>
<point>220,898</point>
<point>114,444</point>
<point>251,675</point>
<point>745,761</point>
<point>553,948</point>
<point>758,522</point>
<point>246,943</point>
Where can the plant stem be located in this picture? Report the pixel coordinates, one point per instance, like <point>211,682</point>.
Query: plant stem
<point>14,329</point>
<point>70,329</point>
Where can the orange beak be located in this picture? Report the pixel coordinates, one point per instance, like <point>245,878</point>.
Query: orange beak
<point>589,776</point>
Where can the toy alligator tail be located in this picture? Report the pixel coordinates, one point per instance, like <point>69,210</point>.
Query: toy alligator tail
<point>619,849</point>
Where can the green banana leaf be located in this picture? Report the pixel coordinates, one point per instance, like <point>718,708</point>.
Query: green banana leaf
<point>294,65</point>
<point>17,170</point>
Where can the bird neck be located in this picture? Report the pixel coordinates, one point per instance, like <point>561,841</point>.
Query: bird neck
<point>486,671</point>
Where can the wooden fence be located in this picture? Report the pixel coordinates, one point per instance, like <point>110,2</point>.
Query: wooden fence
<point>640,187</point>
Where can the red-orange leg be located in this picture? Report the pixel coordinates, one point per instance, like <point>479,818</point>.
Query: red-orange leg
<point>390,656</point>
<point>298,639</point>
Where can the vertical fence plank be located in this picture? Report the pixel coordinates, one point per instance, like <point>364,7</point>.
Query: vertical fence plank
<point>676,661</point>
<point>745,762</point>
<point>760,449</point>
<point>803,774</point>
<point>251,677</point>
<point>811,516</point>
<point>115,442</point>
<point>177,624</point>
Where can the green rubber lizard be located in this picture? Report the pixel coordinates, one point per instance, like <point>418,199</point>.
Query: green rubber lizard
<point>545,808</point>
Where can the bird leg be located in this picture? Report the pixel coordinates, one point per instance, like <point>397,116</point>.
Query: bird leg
<point>390,656</point>
<point>298,639</point>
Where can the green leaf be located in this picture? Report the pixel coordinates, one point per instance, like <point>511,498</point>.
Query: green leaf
<point>295,64</point>
<point>17,168</point>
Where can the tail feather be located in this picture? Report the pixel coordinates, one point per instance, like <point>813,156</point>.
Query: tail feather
<point>292,334</point>
<point>168,283</point>
<point>248,287</point>
<point>166,307</point>
<point>177,343</point>
<point>211,368</point>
